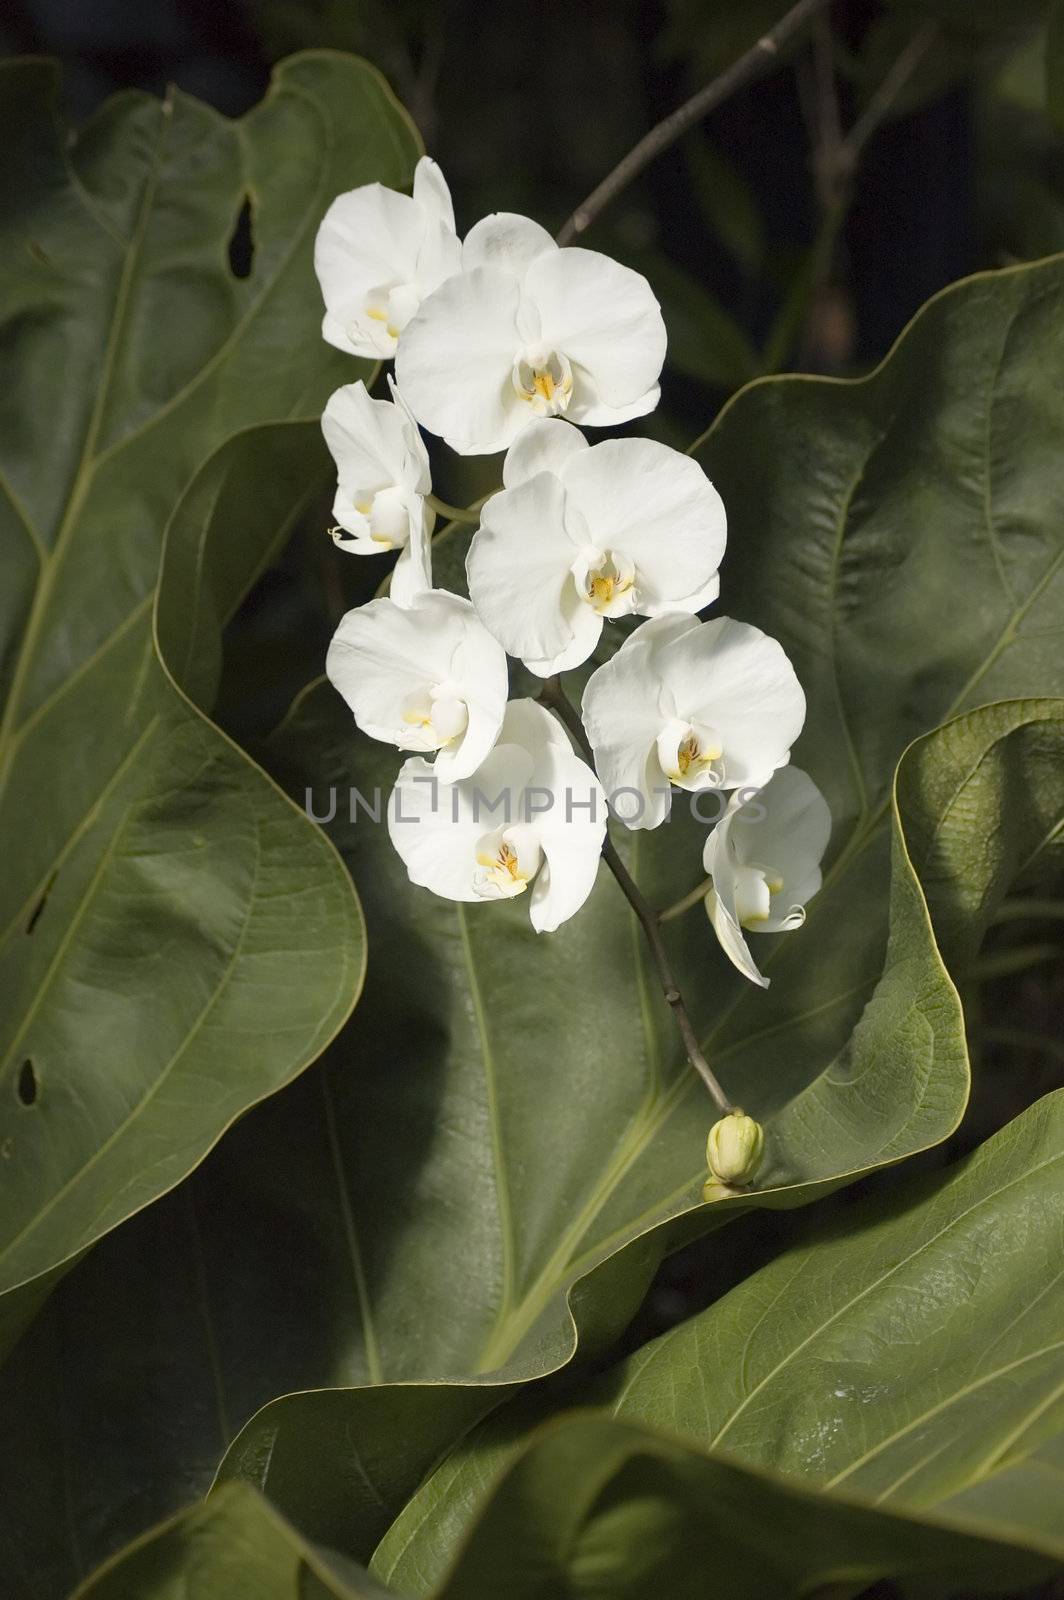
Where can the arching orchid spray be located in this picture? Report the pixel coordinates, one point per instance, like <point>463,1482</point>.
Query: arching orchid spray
<point>508,342</point>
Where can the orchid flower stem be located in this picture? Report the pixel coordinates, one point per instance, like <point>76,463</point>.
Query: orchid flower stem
<point>756,61</point>
<point>648,917</point>
<point>693,898</point>
<point>455,513</point>
<point>553,695</point>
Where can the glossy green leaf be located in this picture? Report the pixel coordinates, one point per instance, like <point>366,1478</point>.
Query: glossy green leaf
<point>599,1508</point>
<point>117,1405</point>
<point>595,1507</point>
<point>909,1355</point>
<point>177,941</point>
<point>843,1352</point>
<point>235,1548</point>
<point>911,1358</point>
<point>523,1146</point>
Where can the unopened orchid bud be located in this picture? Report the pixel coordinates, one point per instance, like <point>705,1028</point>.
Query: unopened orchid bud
<point>734,1149</point>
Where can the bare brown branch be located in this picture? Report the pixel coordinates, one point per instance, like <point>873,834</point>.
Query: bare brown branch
<point>757,60</point>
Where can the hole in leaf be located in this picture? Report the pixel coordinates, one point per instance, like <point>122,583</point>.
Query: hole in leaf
<point>35,914</point>
<point>241,242</point>
<point>27,1083</point>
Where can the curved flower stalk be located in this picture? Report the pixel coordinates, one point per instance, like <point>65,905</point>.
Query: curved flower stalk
<point>695,705</point>
<point>764,858</point>
<point>528,330</point>
<point>532,818</point>
<point>426,677</point>
<point>377,255</point>
<point>383,480</point>
<point>581,533</point>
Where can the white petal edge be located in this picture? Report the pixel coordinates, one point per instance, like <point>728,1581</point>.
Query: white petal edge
<point>438,851</point>
<point>544,445</point>
<point>454,364</point>
<point>571,836</point>
<point>518,569</point>
<point>432,193</point>
<point>506,240</point>
<point>732,942</point>
<point>605,317</point>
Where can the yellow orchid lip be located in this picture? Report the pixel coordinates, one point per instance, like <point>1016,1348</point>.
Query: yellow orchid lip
<point>543,384</point>
<point>609,584</point>
<point>504,860</point>
<point>691,753</point>
<point>544,379</point>
<point>437,711</point>
<point>503,869</point>
<point>507,861</point>
<point>382,316</point>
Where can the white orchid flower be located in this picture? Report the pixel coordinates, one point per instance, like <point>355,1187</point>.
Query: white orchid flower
<point>426,677</point>
<point>580,533</point>
<point>529,330</point>
<point>383,471</point>
<point>698,705</point>
<point>377,254</point>
<point>764,859</point>
<point>532,816</point>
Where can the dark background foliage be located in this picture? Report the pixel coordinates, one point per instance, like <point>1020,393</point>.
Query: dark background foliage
<point>526,104</point>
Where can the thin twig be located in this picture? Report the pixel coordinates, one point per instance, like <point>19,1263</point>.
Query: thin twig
<point>553,695</point>
<point>836,154</point>
<point>825,117</point>
<point>835,161</point>
<point>888,91</point>
<point>756,61</point>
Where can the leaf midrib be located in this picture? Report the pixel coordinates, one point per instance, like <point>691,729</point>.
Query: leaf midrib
<point>370,1343</point>
<point>508,1243</point>
<point>46,577</point>
<point>89,464</point>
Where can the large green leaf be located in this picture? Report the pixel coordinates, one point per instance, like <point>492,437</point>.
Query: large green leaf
<point>235,1548</point>
<point>521,1143</point>
<point>911,1354</point>
<point>177,941</point>
<point>914,1358</point>
<point>599,1508</point>
<point>117,1405</point>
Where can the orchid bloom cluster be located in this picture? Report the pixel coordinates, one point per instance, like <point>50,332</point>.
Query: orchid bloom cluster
<point>504,341</point>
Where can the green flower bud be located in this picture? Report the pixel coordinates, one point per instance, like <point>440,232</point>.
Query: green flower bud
<point>734,1148</point>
